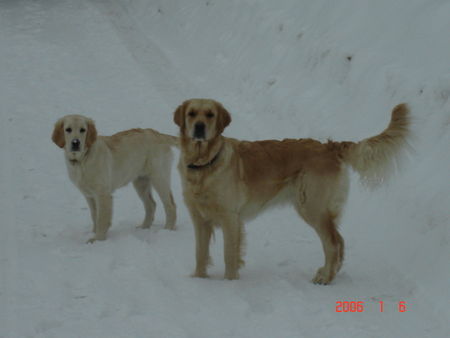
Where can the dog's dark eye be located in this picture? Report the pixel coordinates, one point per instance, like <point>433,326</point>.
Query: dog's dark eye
<point>69,130</point>
<point>191,113</point>
<point>82,130</point>
<point>209,115</point>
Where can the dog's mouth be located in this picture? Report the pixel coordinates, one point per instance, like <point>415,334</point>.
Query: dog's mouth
<point>74,157</point>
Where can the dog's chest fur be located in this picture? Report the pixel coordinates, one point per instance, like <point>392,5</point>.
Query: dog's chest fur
<point>85,177</point>
<point>208,189</point>
<point>200,184</point>
<point>79,176</point>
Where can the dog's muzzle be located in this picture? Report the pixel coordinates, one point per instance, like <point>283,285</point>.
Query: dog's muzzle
<point>75,145</point>
<point>199,130</point>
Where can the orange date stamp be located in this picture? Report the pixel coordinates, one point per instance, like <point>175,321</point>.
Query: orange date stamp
<point>359,306</point>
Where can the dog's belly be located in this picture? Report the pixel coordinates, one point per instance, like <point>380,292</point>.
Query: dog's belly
<point>255,206</point>
<point>230,196</point>
<point>215,207</point>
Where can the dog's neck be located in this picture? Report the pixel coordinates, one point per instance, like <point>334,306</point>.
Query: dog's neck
<point>201,154</point>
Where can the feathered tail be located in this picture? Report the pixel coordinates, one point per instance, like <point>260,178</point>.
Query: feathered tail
<point>375,158</point>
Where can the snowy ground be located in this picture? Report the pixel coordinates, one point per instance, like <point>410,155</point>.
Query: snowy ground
<point>285,68</point>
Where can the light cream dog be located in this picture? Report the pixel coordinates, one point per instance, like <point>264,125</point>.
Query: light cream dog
<point>227,181</point>
<point>98,165</point>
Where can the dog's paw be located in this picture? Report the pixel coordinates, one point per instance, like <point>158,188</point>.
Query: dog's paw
<point>143,226</point>
<point>91,240</point>
<point>231,275</point>
<point>199,275</point>
<point>170,227</point>
<point>96,238</point>
<point>322,277</point>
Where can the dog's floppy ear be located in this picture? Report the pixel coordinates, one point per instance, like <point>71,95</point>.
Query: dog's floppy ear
<point>178,115</point>
<point>58,134</point>
<point>223,119</point>
<point>91,135</point>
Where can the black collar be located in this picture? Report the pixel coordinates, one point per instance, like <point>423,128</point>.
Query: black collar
<point>206,165</point>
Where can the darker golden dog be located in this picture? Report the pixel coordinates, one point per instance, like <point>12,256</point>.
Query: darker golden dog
<point>227,181</point>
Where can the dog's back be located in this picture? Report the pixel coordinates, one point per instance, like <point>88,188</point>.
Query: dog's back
<point>136,152</point>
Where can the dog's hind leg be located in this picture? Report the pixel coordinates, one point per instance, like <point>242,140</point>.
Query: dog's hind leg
<point>143,189</point>
<point>333,247</point>
<point>161,183</point>
<point>319,201</point>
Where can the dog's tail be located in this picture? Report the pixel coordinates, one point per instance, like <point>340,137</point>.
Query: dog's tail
<point>377,157</point>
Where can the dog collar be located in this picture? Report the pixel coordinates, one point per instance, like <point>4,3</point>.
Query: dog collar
<point>206,165</point>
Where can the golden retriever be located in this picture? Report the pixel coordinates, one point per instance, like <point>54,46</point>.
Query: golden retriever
<point>227,181</point>
<point>98,165</point>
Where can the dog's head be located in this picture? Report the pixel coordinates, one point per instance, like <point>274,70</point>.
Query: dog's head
<point>201,119</point>
<point>75,134</point>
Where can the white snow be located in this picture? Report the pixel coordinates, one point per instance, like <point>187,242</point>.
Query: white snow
<point>287,68</point>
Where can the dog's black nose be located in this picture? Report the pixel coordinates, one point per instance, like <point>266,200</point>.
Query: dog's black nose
<point>199,130</point>
<point>75,144</point>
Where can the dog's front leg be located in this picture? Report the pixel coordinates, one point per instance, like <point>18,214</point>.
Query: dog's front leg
<point>93,210</point>
<point>203,231</point>
<point>104,215</point>
<point>233,238</point>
